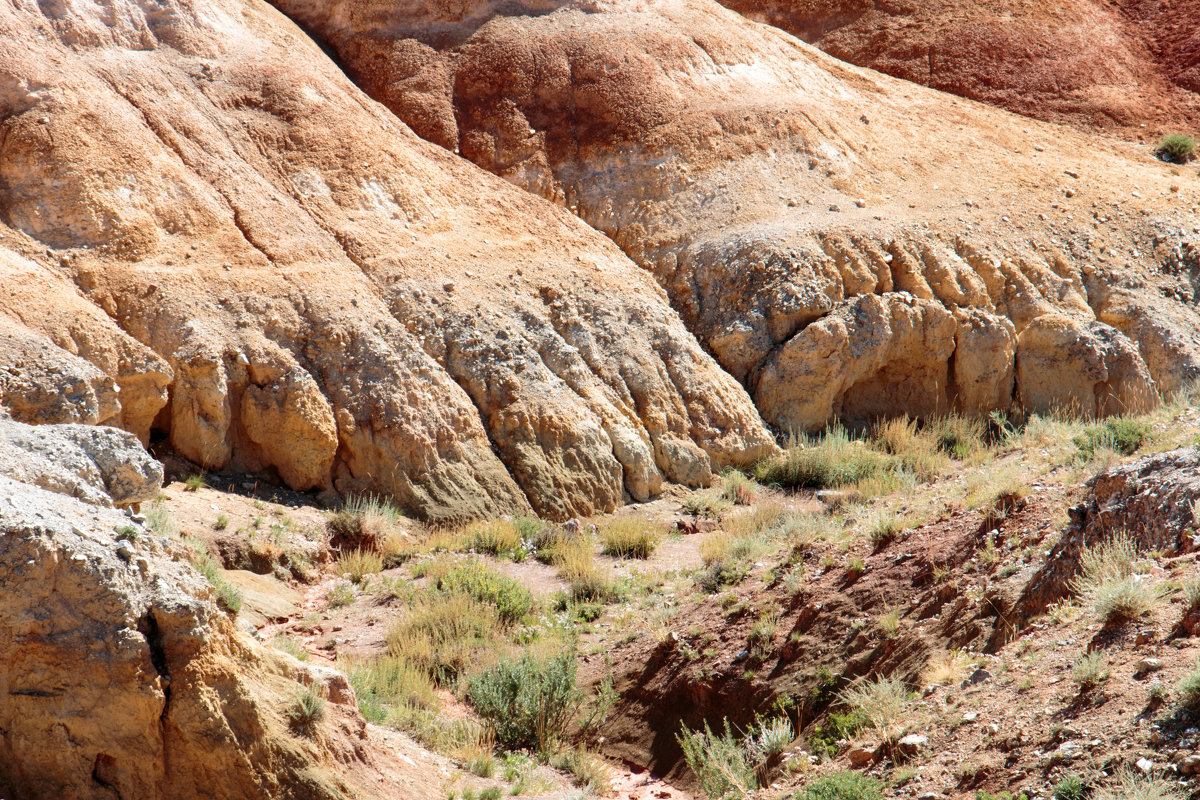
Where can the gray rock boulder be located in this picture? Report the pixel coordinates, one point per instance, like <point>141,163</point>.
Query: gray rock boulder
<point>100,465</point>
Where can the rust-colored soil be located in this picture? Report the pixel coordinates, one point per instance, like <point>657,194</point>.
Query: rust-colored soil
<point>1126,65</point>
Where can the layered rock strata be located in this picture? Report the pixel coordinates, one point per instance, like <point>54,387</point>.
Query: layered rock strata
<point>1124,64</point>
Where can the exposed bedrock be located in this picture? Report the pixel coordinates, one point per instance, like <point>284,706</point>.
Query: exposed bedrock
<point>96,463</point>
<point>773,191</point>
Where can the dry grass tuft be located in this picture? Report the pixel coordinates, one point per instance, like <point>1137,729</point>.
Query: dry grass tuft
<point>630,537</point>
<point>495,537</point>
<point>1136,787</point>
<point>946,668</point>
<point>370,524</point>
<point>882,702</point>
<point>576,562</point>
<point>740,489</point>
<point>709,504</point>
<point>1109,582</point>
<point>1090,670</point>
<point>357,564</point>
<point>824,462</point>
<point>444,635</point>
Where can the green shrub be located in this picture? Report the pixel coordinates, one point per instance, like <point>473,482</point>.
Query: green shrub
<point>228,596</point>
<point>845,785</point>
<point>529,528</point>
<point>510,598</point>
<point>1121,435</point>
<point>1071,787</point>
<point>306,710</point>
<point>128,533</point>
<point>586,612</point>
<point>720,762</point>
<point>823,738</point>
<point>1177,148</point>
<point>528,702</point>
<point>629,537</point>
<point>194,483</point>
<point>222,523</point>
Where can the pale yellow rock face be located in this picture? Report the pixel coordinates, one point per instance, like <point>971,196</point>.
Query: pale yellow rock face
<point>67,360</point>
<point>230,247</point>
<point>291,421</point>
<point>773,190</point>
<point>861,362</point>
<point>1107,374</point>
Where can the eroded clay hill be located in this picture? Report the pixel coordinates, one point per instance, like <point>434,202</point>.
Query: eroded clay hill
<point>209,235</point>
<point>846,244</point>
<point>1124,64</point>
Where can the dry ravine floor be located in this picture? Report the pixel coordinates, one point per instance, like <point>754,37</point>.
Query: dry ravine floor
<point>951,608</point>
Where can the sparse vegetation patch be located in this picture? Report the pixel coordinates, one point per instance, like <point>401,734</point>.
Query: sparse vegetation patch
<point>1176,148</point>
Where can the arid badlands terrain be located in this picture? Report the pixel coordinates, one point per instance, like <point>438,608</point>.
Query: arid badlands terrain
<point>458,399</point>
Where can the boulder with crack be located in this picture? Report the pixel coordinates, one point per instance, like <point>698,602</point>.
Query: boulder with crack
<point>121,678</point>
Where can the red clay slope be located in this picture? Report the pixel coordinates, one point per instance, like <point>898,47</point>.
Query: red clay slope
<point>1127,65</point>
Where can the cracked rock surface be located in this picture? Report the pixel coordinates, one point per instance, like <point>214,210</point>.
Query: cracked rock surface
<point>121,678</point>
